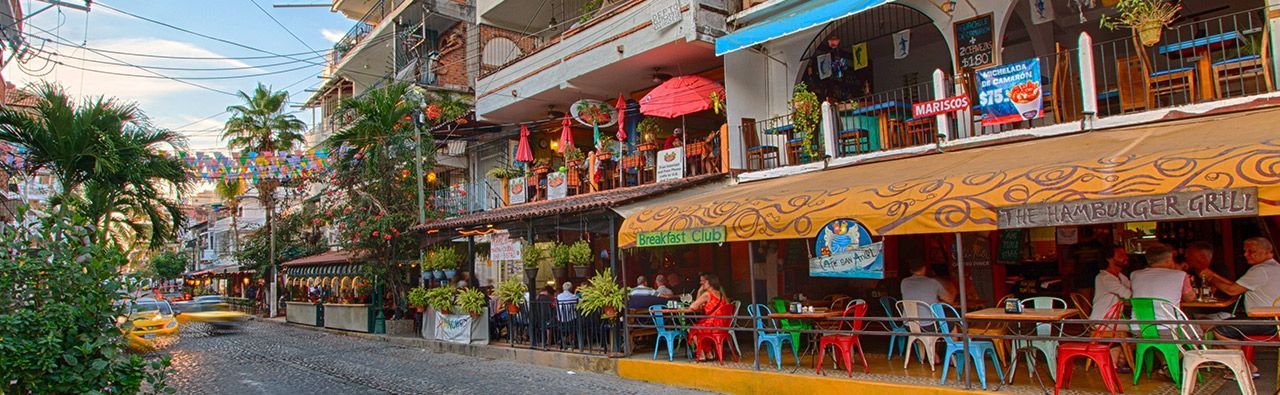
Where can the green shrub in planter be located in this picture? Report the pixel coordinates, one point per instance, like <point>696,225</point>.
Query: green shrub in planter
<point>472,301</point>
<point>418,298</point>
<point>602,293</point>
<point>511,293</point>
<point>530,254</point>
<point>560,255</point>
<point>441,298</point>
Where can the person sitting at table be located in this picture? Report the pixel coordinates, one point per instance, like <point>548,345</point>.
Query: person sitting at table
<point>1260,287</point>
<point>923,288</point>
<point>712,302</point>
<point>662,291</point>
<point>676,139</point>
<point>567,296</point>
<point>1161,279</point>
<point>642,288</point>
<point>1109,288</point>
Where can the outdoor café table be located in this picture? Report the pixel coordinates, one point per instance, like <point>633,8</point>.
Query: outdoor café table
<point>1026,316</point>
<point>1201,48</point>
<point>1274,313</point>
<point>883,111</point>
<point>819,313</point>
<point>1216,303</point>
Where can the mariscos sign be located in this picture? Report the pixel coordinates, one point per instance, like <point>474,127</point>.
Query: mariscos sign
<point>1215,203</point>
<point>940,106</point>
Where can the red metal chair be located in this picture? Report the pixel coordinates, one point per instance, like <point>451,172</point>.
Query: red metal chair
<point>1099,353</point>
<point>703,343</point>
<point>846,342</point>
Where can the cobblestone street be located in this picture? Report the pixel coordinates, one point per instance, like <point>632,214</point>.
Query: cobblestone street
<point>277,359</point>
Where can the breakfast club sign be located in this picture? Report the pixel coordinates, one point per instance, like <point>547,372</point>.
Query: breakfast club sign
<point>1010,92</point>
<point>844,249</point>
<point>715,234</point>
<point>1214,203</point>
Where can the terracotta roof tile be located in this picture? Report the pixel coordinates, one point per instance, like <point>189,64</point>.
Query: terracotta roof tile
<point>324,258</point>
<point>570,205</point>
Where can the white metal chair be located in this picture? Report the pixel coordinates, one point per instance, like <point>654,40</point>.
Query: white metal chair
<point>733,323</point>
<point>1195,355</point>
<point>920,330</point>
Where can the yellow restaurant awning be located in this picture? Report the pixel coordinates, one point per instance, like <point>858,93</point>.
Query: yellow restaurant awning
<point>959,191</point>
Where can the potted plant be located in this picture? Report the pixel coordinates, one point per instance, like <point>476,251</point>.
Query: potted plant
<point>580,258</point>
<point>648,128</point>
<point>511,294</point>
<point>1146,17</point>
<point>573,157</point>
<point>505,173</point>
<point>603,150</point>
<point>560,260</point>
<point>441,298</point>
<point>418,299</point>
<point>541,166</point>
<point>602,293</point>
<point>531,255</point>
<point>444,262</point>
<point>806,117</point>
<point>472,301</point>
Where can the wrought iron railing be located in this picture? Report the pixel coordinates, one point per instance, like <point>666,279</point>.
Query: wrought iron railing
<point>549,325</point>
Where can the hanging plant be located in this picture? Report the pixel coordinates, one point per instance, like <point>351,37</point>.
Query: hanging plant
<point>441,299</point>
<point>805,117</point>
<point>648,128</point>
<point>1146,17</point>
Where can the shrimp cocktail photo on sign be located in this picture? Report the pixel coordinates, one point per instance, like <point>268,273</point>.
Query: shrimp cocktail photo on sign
<point>844,248</point>
<point>1010,92</point>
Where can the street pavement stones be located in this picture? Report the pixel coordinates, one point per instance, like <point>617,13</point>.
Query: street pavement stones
<point>277,359</point>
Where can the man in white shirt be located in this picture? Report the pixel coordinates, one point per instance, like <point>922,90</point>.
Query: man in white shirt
<point>923,288</point>
<point>642,288</point>
<point>1110,287</point>
<point>1260,286</point>
<point>660,281</point>
<point>1162,280</point>
<point>567,296</point>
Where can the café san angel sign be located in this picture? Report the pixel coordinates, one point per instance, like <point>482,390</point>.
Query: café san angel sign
<point>1211,203</point>
<point>845,249</point>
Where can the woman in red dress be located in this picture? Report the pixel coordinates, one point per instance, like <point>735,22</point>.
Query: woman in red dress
<point>712,302</point>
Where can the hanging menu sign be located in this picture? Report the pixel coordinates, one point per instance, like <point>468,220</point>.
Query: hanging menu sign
<point>1214,203</point>
<point>975,43</point>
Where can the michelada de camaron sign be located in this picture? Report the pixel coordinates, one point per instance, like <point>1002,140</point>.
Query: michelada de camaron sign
<point>715,234</point>
<point>1010,92</point>
<point>844,249</point>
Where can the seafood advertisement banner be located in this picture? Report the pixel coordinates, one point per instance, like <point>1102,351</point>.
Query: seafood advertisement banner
<point>844,248</point>
<point>1010,92</point>
<point>517,191</point>
<point>557,187</point>
<point>670,164</point>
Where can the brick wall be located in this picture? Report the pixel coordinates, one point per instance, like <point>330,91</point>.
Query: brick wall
<point>525,43</point>
<point>451,71</point>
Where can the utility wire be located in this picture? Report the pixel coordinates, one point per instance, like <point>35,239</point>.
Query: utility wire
<point>282,26</point>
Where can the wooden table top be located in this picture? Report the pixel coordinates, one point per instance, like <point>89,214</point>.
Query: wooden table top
<point>997,313</point>
<point>1219,303</point>
<point>1265,312</point>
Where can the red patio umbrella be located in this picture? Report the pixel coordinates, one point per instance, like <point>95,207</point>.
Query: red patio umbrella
<point>523,152</point>
<point>622,118</point>
<point>566,135</point>
<point>681,95</point>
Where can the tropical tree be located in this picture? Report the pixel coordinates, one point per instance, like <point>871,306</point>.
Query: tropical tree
<point>109,162</point>
<point>229,191</point>
<point>260,124</point>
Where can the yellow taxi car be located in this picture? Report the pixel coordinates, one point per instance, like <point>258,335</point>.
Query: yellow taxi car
<point>153,321</point>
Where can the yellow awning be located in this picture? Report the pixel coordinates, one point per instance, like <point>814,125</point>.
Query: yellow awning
<point>958,191</point>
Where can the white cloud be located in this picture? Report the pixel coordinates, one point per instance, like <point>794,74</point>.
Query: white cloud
<point>331,35</point>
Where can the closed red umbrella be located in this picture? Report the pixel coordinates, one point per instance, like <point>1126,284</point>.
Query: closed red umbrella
<point>681,95</point>
<point>523,152</point>
<point>566,135</point>
<point>622,118</point>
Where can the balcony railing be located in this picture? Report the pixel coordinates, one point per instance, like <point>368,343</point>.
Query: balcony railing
<point>503,47</point>
<point>363,27</point>
<point>464,199</point>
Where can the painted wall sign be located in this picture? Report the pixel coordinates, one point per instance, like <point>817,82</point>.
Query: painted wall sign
<point>557,185</point>
<point>502,247</point>
<point>517,191</point>
<point>975,43</point>
<point>938,107</point>
<point>860,59</point>
<point>1217,203</point>
<point>845,249</point>
<point>1010,92</point>
<point>714,234</point>
<point>665,17</point>
<point>670,164</point>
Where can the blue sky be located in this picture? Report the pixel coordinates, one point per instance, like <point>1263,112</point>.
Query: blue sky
<point>173,104</point>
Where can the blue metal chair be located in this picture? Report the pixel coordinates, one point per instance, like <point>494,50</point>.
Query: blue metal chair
<point>672,336</point>
<point>977,348</point>
<point>770,334</point>
<point>898,342</point>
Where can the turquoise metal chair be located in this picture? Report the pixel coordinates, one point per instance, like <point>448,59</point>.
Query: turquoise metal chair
<point>898,342</point>
<point>672,336</point>
<point>1047,347</point>
<point>768,333</point>
<point>977,348</point>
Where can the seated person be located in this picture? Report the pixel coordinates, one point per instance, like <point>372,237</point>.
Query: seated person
<point>676,139</point>
<point>1162,280</point>
<point>662,291</point>
<point>642,288</point>
<point>1110,287</point>
<point>1260,286</point>
<point>923,288</point>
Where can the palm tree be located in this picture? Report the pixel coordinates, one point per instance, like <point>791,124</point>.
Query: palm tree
<point>376,115</point>
<point>261,124</point>
<point>108,161</point>
<point>229,192</point>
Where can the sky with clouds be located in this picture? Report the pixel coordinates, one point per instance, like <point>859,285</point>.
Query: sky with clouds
<point>94,41</point>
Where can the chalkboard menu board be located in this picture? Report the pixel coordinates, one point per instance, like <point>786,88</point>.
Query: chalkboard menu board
<point>1011,245</point>
<point>975,42</point>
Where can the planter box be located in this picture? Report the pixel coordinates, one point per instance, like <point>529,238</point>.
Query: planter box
<point>456,328</point>
<point>305,313</point>
<point>351,317</point>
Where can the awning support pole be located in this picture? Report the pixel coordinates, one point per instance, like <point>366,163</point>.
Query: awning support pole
<point>964,309</point>
<point>751,266</point>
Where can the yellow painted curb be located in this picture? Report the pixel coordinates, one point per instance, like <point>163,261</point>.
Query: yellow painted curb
<point>739,381</point>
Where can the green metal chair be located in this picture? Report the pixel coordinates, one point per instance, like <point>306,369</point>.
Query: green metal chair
<point>791,326</point>
<point>1144,309</point>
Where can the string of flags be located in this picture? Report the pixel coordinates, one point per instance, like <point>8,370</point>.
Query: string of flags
<point>216,166</point>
